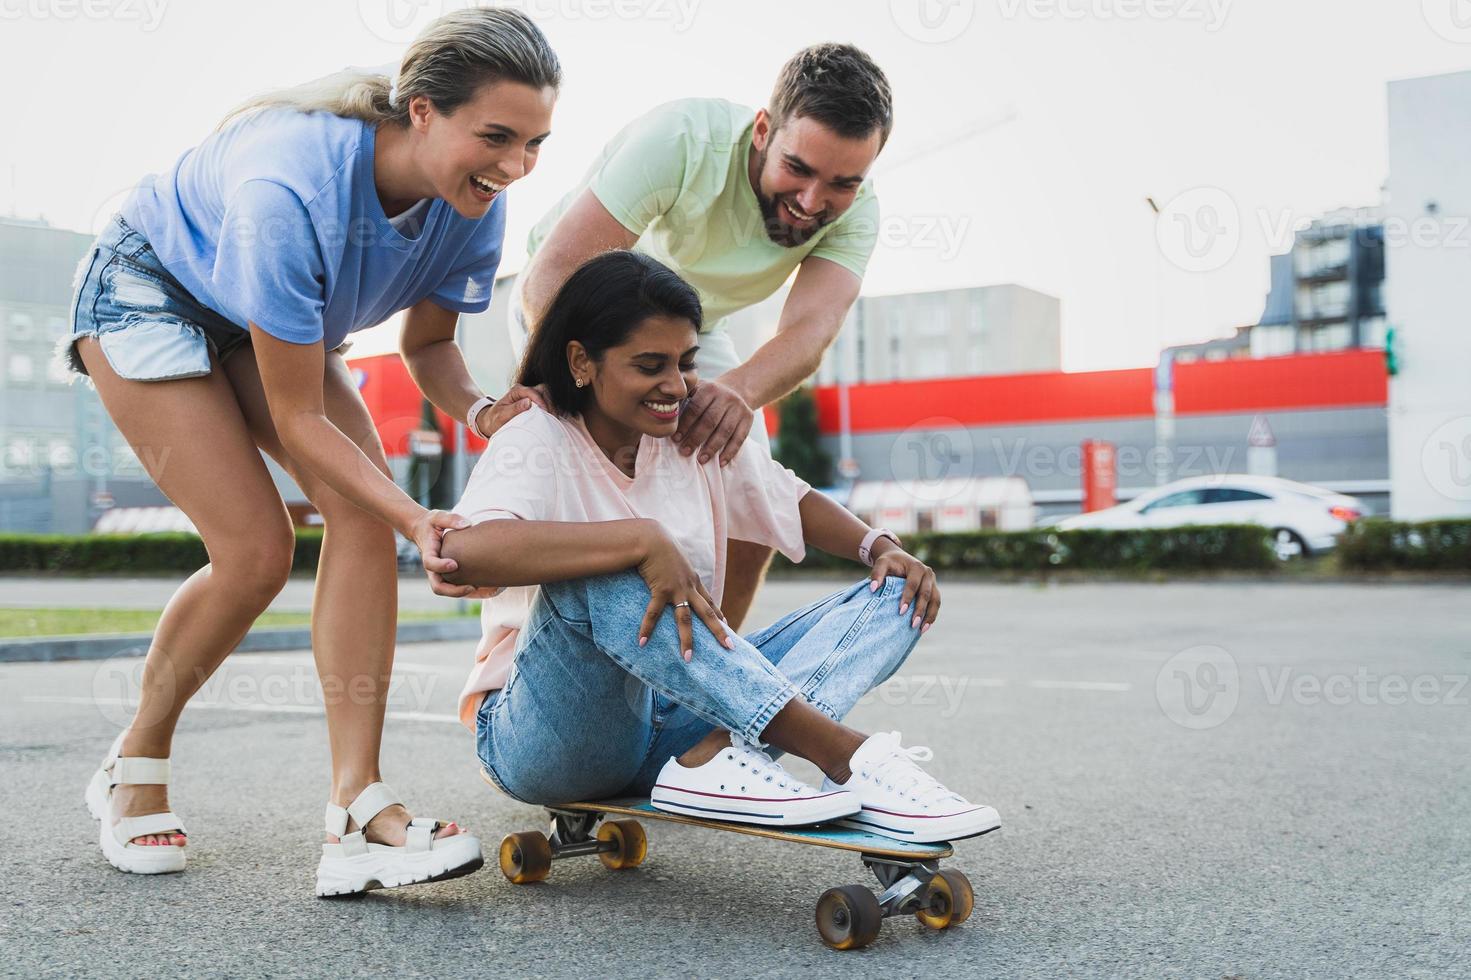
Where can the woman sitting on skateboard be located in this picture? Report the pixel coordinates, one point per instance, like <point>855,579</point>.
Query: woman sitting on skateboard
<point>606,668</point>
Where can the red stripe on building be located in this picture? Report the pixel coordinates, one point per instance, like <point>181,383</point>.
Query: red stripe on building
<point>991,400</point>
<point>1342,379</point>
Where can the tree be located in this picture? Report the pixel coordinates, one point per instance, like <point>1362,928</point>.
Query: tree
<point>797,446</point>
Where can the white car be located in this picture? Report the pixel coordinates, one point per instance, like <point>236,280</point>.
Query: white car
<point>1304,519</point>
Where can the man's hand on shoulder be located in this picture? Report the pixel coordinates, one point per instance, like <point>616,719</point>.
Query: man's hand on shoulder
<point>715,421</point>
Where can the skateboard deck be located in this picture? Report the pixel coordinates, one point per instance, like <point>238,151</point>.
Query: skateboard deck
<point>819,835</point>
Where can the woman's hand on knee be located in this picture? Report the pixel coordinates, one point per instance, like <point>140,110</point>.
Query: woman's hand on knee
<point>920,588</point>
<point>672,581</point>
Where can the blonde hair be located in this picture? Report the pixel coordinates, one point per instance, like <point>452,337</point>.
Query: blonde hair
<point>447,63</point>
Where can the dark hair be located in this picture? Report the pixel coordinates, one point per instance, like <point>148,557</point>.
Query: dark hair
<point>599,306</point>
<point>837,85</point>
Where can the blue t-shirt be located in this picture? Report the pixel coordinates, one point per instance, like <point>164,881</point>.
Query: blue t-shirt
<point>276,221</point>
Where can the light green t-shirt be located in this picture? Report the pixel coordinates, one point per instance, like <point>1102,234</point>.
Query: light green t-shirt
<point>677,177</point>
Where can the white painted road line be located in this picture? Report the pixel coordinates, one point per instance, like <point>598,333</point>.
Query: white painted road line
<point>284,709</point>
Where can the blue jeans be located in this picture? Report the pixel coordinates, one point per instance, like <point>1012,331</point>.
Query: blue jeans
<point>148,325</point>
<point>588,714</point>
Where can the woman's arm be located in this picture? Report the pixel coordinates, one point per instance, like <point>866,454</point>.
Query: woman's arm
<point>437,365</point>
<point>515,552</point>
<point>830,527</point>
<point>292,376</point>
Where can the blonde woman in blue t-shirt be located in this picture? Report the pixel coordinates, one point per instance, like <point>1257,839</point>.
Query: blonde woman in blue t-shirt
<point>210,316</point>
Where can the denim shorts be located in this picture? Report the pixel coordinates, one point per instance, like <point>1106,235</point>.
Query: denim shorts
<point>147,324</point>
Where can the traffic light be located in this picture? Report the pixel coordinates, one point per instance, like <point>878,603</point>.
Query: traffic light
<point>1391,351</point>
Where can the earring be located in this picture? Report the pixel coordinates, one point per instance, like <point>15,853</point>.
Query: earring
<point>580,382</point>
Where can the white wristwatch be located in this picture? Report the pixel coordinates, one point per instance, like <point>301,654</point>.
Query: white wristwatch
<point>475,409</point>
<point>865,550</point>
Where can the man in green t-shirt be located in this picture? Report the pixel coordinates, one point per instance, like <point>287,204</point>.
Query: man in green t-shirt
<point>735,200</point>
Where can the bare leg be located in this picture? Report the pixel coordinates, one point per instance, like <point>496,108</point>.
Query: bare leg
<point>745,569</point>
<point>355,607</point>
<point>192,439</point>
<point>800,729</point>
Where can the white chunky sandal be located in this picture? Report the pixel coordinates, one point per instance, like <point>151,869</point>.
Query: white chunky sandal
<point>140,859</point>
<point>355,865</point>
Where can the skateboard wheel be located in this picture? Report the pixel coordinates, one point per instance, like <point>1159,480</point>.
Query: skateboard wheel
<point>947,900</point>
<point>633,846</point>
<point>848,917</point>
<point>525,857</point>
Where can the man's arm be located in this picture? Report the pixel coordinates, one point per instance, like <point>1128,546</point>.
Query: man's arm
<point>585,230</point>
<point>719,415</point>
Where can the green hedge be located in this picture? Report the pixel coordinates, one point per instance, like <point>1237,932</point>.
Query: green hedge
<point>1369,545</point>
<point>1429,546</point>
<point>125,552</point>
<point>1223,547</point>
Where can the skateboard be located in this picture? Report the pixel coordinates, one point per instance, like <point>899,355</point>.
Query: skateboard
<point>848,917</point>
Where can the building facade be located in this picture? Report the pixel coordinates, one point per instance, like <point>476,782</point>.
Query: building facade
<point>62,461</point>
<point>1327,294</point>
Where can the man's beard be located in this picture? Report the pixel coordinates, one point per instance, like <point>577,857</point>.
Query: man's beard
<point>783,234</point>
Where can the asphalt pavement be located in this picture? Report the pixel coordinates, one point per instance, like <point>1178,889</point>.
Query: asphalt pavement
<point>1195,780</point>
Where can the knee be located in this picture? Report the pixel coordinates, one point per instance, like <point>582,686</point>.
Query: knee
<point>597,589</point>
<point>890,585</point>
<point>345,519</point>
<point>258,566</point>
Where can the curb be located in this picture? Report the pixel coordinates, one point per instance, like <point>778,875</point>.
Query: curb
<point>267,638</point>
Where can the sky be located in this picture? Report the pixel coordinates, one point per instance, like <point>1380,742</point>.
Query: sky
<point>1030,135</point>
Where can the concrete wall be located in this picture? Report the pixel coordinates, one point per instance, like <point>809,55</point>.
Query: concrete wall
<point>1428,282</point>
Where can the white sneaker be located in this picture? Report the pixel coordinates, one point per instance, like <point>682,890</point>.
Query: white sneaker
<point>745,785</point>
<point>902,801</point>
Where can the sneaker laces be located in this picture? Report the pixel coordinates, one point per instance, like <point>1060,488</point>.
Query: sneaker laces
<point>898,772</point>
<point>759,763</point>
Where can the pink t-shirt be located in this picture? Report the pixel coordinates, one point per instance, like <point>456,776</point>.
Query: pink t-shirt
<point>542,467</point>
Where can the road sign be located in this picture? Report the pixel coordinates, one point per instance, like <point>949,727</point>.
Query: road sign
<point>1260,434</point>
